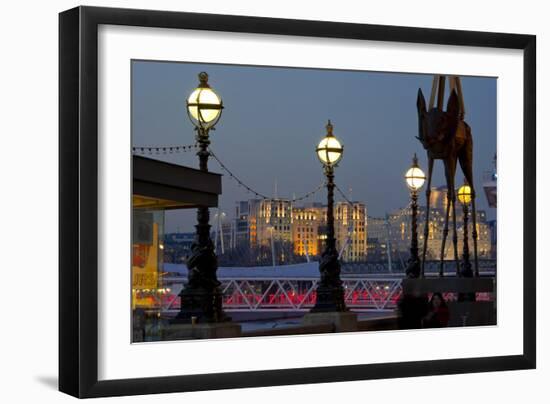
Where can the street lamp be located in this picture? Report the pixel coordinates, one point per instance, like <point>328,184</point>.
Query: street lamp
<point>464,196</point>
<point>414,178</point>
<point>330,294</point>
<point>204,106</point>
<point>201,299</point>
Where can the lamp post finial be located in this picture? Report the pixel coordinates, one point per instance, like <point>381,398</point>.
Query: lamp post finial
<point>203,79</point>
<point>329,128</point>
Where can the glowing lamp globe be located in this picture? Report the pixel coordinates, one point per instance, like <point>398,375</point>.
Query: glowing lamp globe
<point>204,106</point>
<point>415,177</point>
<point>329,149</point>
<point>464,194</point>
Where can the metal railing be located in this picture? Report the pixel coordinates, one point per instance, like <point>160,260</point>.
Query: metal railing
<point>366,293</point>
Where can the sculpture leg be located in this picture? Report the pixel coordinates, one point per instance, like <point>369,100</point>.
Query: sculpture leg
<point>466,163</point>
<point>426,222</point>
<point>474,231</point>
<point>450,168</point>
<point>444,238</point>
<point>455,236</point>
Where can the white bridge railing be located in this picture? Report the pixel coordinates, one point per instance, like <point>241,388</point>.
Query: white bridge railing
<point>375,293</point>
<point>295,294</point>
<point>299,294</point>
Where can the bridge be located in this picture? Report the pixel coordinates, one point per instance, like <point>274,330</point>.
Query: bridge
<point>292,288</point>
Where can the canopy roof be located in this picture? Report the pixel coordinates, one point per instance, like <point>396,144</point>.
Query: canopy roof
<point>161,185</point>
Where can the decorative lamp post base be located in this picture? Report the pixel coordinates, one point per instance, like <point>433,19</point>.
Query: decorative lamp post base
<point>329,298</point>
<point>201,306</point>
<point>330,293</point>
<point>201,298</point>
<point>330,307</point>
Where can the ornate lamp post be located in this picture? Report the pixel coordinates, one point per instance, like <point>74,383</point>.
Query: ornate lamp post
<point>464,196</point>
<point>414,178</point>
<point>201,299</point>
<point>330,293</point>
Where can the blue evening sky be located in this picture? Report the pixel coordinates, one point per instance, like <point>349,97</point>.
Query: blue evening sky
<point>274,118</point>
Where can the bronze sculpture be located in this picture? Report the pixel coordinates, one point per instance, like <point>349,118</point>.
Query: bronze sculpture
<point>447,137</point>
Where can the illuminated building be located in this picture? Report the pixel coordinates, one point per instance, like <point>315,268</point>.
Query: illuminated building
<point>438,198</point>
<point>270,224</point>
<point>241,232</point>
<point>398,231</point>
<point>299,230</point>
<point>350,229</point>
<point>267,218</point>
<point>307,229</point>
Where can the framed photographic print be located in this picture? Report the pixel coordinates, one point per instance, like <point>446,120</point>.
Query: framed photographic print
<point>252,201</point>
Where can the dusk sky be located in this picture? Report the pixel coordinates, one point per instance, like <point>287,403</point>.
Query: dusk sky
<point>274,118</point>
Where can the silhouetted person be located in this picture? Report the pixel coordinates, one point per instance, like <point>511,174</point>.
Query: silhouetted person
<point>438,312</point>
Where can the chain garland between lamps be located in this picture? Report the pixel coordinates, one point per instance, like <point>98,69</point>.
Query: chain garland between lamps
<point>162,149</point>
<point>256,193</point>
<point>351,203</point>
<point>150,150</point>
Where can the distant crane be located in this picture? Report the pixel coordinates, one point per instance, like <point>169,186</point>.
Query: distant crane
<point>218,228</point>
<point>351,229</point>
<point>388,243</point>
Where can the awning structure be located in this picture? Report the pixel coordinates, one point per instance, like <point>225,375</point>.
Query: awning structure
<point>161,185</point>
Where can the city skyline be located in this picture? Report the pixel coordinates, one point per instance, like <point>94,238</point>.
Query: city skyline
<point>280,113</point>
<point>272,231</point>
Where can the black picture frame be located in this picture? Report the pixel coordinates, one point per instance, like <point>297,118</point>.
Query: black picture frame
<point>78,196</point>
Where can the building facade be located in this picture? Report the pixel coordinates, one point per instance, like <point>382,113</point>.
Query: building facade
<point>269,219</point>
<point>270,229</point>
<point>275,224</point>
<point>308,228</point>
<point>397,229</point>
<point>240,228</point>
<point>350,228</point>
